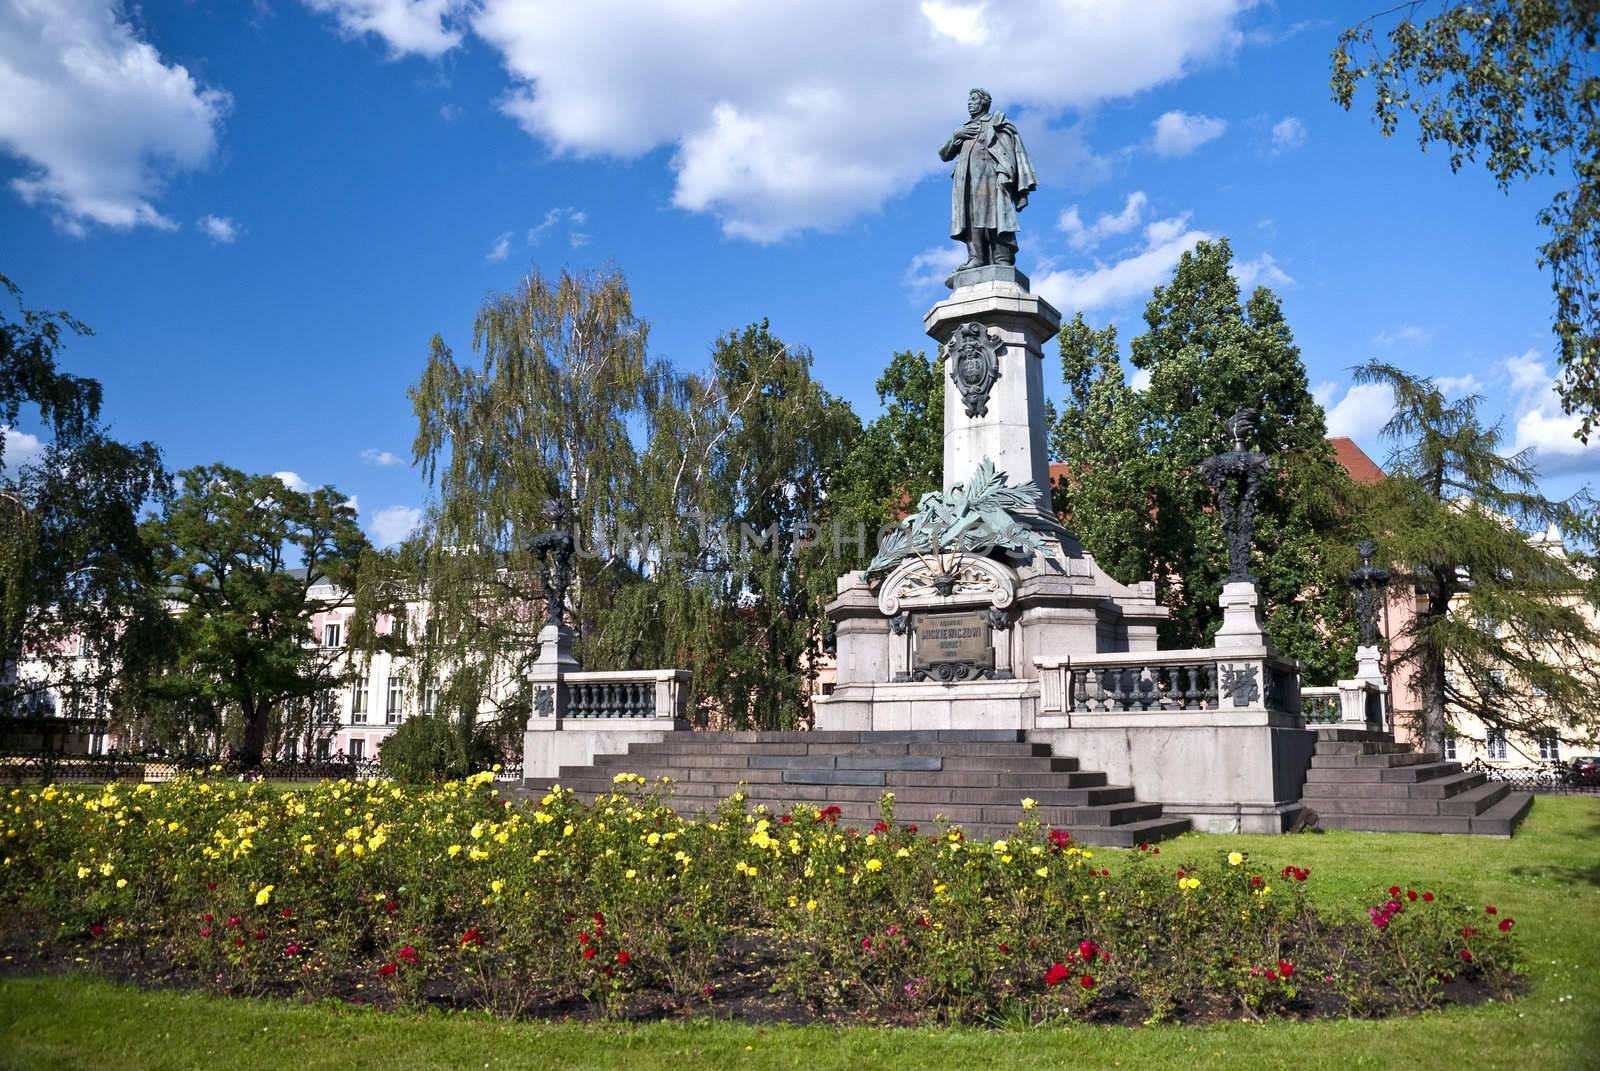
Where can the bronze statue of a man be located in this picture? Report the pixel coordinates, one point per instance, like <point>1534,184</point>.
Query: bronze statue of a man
<point>992,179</point>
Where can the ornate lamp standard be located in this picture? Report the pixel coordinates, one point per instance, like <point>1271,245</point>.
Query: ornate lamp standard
<point>1235,478</point>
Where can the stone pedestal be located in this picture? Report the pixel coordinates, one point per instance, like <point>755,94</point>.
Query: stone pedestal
<point>1241,616</point>
<point>1010,430</point>
<point>1364,699</point>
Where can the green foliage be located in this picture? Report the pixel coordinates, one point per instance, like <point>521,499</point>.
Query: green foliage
<point>74,572</point>
<point>1133,492</point>
<point>431,747</point>
<point>1514,81</point>
<point>1468,530</point>
<point>240,557</point>
<point>735,493</point>
<point>692,494</point>
<point>897,458</point>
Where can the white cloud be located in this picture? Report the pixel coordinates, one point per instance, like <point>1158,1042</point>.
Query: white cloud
<point>1406,334</point>
<point>1262,271</point>
<point>1087,236</point>
<point>960,22</point>
<point>1165,240</point>
<point>554,218</point>
<point>409,27</point>
<point>373,456</point>
<point>1179,133</point>
<point>500,250</point>
<point>930,268</point>
<point>20,449</point>
<point>1459,386</point>
<point>100,120</point>
<point>1288,133</point>
<point>1541,425</point>
<point>219,228</point>
<point>769,145</point>
<point>392,525</point>
<point>292,481</point>
<point>1140,380</point>
<point>1362,412</point>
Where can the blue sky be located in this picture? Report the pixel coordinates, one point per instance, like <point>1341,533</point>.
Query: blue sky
<point>265,211</point>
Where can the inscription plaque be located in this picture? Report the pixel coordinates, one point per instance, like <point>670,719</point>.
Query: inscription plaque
<point>952,646</point>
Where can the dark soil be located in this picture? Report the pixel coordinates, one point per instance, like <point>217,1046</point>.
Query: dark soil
<point>744,991</point>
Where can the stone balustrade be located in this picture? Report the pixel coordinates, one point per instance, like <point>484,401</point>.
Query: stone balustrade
<point>1210,679</point>
<point>1320,705</point>
<point>626,694</point>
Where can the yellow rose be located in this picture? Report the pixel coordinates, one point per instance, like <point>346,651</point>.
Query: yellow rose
<point>874,864</point>
<point>1029,804</point>
<point>1235,858</point>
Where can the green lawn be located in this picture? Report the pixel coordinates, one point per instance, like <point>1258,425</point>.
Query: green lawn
<point>1547,877</point>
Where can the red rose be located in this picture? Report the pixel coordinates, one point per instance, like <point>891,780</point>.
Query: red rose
<point>206,932</point>
<point>97,929</point>
<point>408,954</point>
<point>389,907</point>
<point>1057,974</point>
<point>292,950</point>
<point>1411,894</point>
<point>786,819</point>
<point>1004,948</point>
<point>1394,890</point>
<point>234,921</point>
<point>1506,924</point>
<point>286,913</point>
<point>211,885</point>
<point>472,937</point>
<point>588,952</point>
<point>1285,968</point>
<point>866,942</point>
<point>1087,949</point>
<point>1272,975</point>
<point>388,969</point>
<point>1427,898</point>
<point>1491,910</point>
<point>583,938</point>
<point>1086,981</point>
<point>261,935</point>
<point>599,918</point>
<point>208,918</point>
<point>624,958</point>
<point>1465,954</point>
<point>238,940</point>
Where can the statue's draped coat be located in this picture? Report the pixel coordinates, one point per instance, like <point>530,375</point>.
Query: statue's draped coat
<point>991,171</point>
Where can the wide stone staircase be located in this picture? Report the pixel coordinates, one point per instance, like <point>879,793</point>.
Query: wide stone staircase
<point>972,778</point>
<point>1364,780</point>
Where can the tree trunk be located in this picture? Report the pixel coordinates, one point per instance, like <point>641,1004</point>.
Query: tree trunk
<point>253,749</point>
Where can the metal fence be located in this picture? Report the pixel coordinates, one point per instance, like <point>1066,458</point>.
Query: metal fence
<point>1551,778</point>
<point>22,769</point>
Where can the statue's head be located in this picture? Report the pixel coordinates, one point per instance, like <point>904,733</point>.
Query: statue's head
<point>978,102</point>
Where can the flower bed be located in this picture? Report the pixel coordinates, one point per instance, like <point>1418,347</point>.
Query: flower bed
<point>379,892</point>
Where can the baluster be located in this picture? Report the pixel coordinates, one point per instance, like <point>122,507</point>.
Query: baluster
<point>1213,696</point>
<point>1119,690</point>
<point>1144,684</point>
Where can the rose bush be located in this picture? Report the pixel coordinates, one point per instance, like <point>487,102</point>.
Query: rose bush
<point>254,889</point>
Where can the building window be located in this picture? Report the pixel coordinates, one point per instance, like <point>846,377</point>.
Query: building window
<point>1497,681</point>
<point>1495,745</point>
<point>358,749</point>
<point>430,696</point>
<point>291,751</point>
<point>1450,747</point>
<point>332,633</point>
<point>396,700</point>
<point>327,709</point>
<point>1487,624</point>
<point>358,700</point>
<point>322,749</point>
<point>1549,746</point>
<point>1450,678</point>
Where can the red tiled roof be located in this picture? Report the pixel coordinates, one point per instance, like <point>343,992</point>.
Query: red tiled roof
<point>1362,469</point>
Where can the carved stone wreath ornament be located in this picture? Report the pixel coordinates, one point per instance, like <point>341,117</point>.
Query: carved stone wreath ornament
<point>975,365</point>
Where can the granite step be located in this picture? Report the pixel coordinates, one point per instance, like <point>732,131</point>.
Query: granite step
<point>1437,788</point>
<point>1502,819</point>
<point>1421,771</point>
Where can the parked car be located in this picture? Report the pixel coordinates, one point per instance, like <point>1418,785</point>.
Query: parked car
<point>1586,770</point>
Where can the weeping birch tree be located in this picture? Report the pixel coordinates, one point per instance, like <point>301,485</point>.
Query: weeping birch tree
<point>545,411</point>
